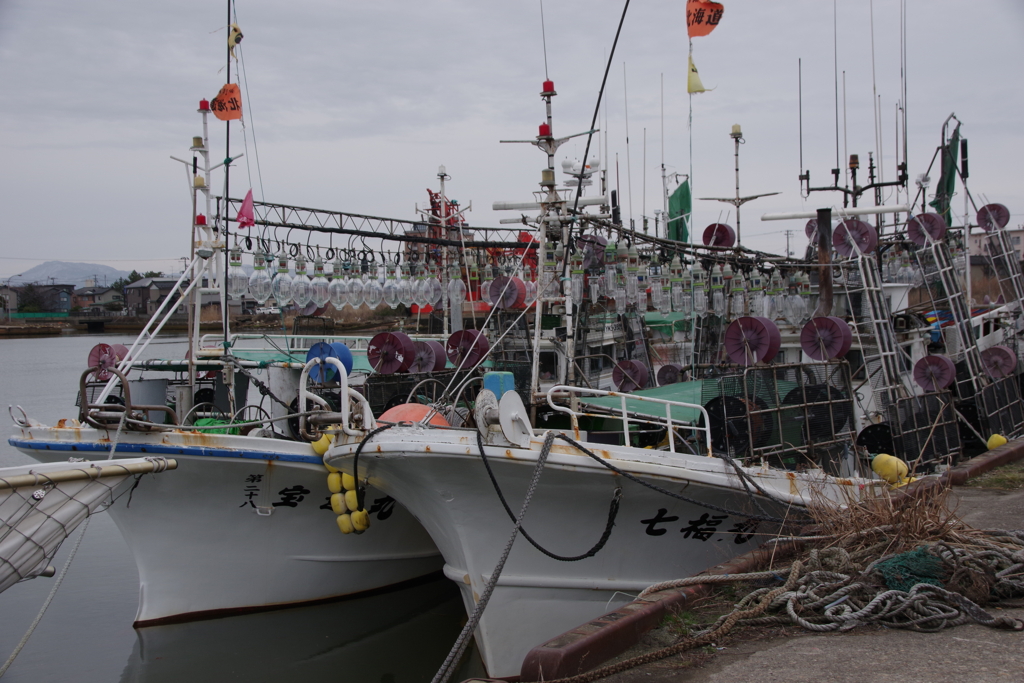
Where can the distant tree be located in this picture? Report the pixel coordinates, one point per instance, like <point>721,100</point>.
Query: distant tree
<point>31,300</point>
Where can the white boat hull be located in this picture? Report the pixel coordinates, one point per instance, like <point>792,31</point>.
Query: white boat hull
<point>438,475</point>
<point>241,529</point>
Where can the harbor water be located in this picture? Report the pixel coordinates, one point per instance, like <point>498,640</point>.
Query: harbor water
<point>396,636</point>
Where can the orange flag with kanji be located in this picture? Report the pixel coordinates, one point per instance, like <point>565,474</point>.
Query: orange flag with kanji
<point>227,105</point>
<point>702,17</point>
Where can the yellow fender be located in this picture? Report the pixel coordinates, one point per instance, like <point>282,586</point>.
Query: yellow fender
<point>334,482</point>
<point>345,524</point>
<point>321,445</point>
<point>361,520</point>
<point>352,500</point>
<point>338,503</point>
<point>890,468</point>
<point>996,440</point>
<point>348,481</point>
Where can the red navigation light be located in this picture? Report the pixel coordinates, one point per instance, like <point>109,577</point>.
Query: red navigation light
<point>545,131</point>
<point>204,105</point>
<point>549,87</point>
<point>200,219</point>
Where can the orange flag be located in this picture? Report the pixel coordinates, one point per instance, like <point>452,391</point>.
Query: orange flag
<point>702,17</point>
<point>227,105</point>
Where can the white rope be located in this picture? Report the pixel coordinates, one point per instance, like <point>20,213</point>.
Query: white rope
<point>46,604</point>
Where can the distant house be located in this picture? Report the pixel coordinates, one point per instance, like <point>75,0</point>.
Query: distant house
<point>144,296</point>
<point>95,298</point>
<point>8,298</point>
<point>56,298</point>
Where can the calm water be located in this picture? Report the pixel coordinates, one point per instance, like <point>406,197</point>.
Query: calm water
<point>87,636</point>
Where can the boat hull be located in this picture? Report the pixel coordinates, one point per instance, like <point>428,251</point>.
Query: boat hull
<point>438,475</point>
<point>240,527</point>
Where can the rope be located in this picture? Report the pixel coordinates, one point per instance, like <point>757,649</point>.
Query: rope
<point>46,604</point>
<point>448,667</point>
<point>117,435</point>
<point>264,389</point>
<point>827,593</point>
<point>613,511</point>
<point>693,501</point>
<point>361,490</point>
<point>689,643</point>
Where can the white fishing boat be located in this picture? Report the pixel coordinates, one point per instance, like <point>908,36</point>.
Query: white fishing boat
<point>617,490</point>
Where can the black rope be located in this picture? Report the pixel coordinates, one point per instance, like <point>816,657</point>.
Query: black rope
<point>655,487</point>
<point>597,106</point>
<point>747,481</point>
<point>263,388</point>
<point>613,511</point>
<point>361,490</point>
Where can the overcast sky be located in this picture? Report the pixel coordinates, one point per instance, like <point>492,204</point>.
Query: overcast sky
<point>354,105</point>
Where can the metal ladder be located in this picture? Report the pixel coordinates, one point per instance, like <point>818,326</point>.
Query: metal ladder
<point>940,269</point>
<point>997,401</point>
<point>1007,267</point>
<point>873,329</point>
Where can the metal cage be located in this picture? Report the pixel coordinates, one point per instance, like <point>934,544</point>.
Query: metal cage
<point>792,415</point>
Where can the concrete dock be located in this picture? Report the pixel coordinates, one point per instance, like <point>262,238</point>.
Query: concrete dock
<point>791,655</point>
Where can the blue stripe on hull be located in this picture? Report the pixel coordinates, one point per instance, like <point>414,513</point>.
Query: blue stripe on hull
<point>160,449</point>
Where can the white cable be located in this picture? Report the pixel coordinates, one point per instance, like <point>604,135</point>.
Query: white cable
<point>46,604</point>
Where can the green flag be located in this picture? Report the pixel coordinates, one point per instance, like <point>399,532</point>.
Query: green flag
<point>944,190</point>
<point>679,209</point>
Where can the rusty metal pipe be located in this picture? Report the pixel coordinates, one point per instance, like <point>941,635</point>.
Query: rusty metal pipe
<point>824,307</point>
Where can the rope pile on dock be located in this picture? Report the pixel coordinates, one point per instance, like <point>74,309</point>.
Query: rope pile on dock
<point>923,570</point>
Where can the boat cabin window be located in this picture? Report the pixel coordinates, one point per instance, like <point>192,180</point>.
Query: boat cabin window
<point>548,365</point>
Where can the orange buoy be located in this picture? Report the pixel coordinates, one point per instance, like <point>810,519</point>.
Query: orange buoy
<point>412,412</point>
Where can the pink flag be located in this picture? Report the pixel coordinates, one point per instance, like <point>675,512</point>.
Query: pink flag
<point>246,218</point>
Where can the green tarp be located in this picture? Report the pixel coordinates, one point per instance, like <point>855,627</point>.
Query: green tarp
<point>686,392</point>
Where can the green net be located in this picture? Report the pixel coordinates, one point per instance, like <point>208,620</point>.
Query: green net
<point>214,422</point>
<point>906,570</point>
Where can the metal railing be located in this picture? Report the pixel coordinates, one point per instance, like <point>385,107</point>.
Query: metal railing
<point>670,423</point>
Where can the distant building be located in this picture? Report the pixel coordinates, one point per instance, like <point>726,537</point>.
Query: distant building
<point>95,298</point>
<point>56,298</point>
<point>144,296</point>
<point>8,298</point>
<point>979,242</point>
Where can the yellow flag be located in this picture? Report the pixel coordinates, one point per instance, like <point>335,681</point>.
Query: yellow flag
<point>234,38</point>
<point>693,83</point>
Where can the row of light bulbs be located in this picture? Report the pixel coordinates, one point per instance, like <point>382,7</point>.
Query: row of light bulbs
<point>345,288</point>
<point>685,289</point>
<point>691,290</point>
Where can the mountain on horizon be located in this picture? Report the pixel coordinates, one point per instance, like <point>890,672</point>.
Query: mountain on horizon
<point>68,273</point>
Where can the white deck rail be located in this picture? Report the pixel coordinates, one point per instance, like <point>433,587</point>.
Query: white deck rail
<point>669,422</point>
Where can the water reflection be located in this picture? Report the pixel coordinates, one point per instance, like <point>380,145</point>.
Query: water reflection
<point>400,636</point>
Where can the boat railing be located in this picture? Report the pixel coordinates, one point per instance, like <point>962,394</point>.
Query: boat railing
<point>670,423</point>
<point>103,414</point>
<point>347,395</point>
<point>214,343</point>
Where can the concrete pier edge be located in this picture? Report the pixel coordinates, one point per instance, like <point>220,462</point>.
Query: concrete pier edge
<point>591,644</point>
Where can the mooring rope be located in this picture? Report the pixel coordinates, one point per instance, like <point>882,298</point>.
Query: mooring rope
<point>46,603</point>
<point>452,660</point>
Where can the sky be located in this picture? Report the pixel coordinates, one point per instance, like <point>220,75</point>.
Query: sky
<point>352,106</point>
